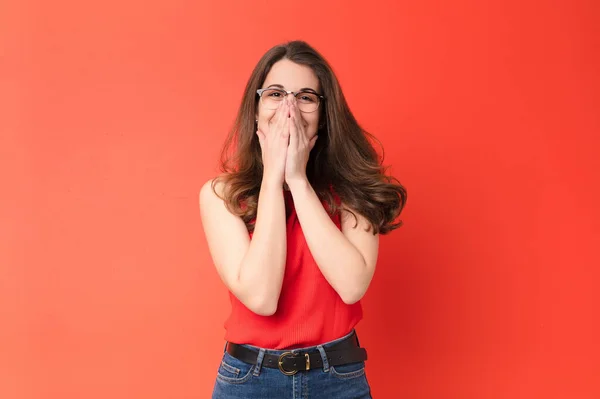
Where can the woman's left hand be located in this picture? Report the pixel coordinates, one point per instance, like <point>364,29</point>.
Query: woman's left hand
<point>298,149</point>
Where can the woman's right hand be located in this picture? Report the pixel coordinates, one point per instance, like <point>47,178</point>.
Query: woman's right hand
<point>274,143</point>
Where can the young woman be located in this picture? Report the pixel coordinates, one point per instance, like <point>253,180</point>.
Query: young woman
<point>293,228</point>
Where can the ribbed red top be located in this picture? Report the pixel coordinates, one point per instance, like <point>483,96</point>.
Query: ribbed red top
<point>310,312</point>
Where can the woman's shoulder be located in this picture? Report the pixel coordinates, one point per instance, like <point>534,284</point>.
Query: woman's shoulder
<point>213,189</point>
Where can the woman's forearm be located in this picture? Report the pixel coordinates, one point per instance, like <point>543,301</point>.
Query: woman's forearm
<point>262,268</point>
<point>338,259</point>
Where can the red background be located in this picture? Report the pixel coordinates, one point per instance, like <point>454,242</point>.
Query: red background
<point>111,118</point>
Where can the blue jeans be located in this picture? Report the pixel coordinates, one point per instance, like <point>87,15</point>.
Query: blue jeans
<point>240,380</point>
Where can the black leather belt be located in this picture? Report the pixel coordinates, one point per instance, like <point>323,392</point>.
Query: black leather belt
<point>289,363</point>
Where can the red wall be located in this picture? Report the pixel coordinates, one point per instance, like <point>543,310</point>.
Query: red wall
<point>111,118</point>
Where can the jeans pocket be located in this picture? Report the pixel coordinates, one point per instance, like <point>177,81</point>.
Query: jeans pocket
<point>350,370</point>
<point>234,371</point>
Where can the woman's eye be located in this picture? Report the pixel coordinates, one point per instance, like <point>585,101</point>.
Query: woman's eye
<point>273,93</point>
<point>307,98</point>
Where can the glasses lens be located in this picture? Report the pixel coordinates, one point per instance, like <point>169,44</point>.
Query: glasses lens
<point>272,97</point>
<point>307,101</point>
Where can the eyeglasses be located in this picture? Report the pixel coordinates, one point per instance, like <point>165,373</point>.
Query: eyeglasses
<point>307,101</point>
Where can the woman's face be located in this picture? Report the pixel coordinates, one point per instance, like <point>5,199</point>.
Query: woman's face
<point>290,76</point>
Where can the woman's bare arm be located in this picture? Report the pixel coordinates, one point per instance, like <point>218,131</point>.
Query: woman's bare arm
<point>252,269</point>
<point>347,258</point>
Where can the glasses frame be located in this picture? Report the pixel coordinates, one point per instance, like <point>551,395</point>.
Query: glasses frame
<point>295,93</point>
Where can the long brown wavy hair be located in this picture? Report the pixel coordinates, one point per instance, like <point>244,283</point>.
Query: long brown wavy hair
<point>343,159</point>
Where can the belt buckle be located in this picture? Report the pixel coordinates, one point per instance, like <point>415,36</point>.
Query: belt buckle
<point>292,372</point>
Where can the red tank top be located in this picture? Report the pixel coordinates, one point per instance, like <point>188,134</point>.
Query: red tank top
<point>310,312</point>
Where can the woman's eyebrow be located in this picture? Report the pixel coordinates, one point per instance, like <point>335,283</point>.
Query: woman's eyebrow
<point>302,89</point>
